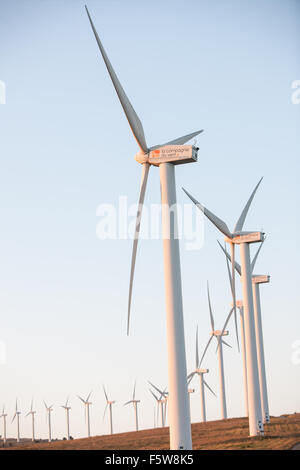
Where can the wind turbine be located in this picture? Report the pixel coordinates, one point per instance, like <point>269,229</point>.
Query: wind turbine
<point>49,409</point>
<point>218,334</point>
<point>164,156</point>
<point>17,415</point>
<point>135,403</point>
<point>4,415</point>
<point>109,405</point>
<point>32,413</point>
<point>164,396</point>
<point>67,408</point>
<point>200,372</point>
<point>257,279</point>
<point>244,239</point>
<point>161,403</point>
<point>87,404</point>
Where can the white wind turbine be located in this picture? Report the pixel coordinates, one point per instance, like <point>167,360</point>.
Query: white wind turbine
<point>87,405</point>
<point>109,404</point>
<point>4,415</point>
<point>257,279</point>
<point>161,403</point>
<point>17,415</point>
<point>164,156</point>
<point>135,407</point>
<point>67,408</point>
<point>32,413</point>
<point>218,334</point>
<point>49,410</point>
<point>200,372</point>
<point>164,395</point>
<point>242,238</point>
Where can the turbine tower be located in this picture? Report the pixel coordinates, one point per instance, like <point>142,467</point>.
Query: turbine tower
<point>164,156</point>
<point>135,403</point>
<point>244,239</point>
<point>32,413</point>
<point>257,279</point>
<point>108,405</point>
<point>218,334</point>
<point>4,415</point>
<point>87,405</point>
<point>67,408</point>
<point>17,415</point>
<point>49,409</point>
<point>200,372</point>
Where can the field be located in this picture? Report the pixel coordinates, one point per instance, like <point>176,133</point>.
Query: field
<point>282,433</point>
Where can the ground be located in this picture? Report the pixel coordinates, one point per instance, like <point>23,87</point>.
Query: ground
<point>282,433</point>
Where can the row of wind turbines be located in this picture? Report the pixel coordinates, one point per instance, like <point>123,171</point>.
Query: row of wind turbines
<point>166,157</point>
<point>160,399</point>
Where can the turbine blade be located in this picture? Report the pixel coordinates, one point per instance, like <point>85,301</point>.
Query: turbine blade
<point>210,310</point>
<point>226,344</point>
<point>233,292</point>
<point>163,394</point>
<point>83,401</point>
<point>105,393</point>
<point>206,384</point>
<point>145,172</point>
<point>88,396</point>
<point>14,417</point>
<point>153,394</point>
<point>133,396</point>
<point>225,324</point>
<point>255,257</point>
<point>127,403</point>
<point>197,352</point>
<point>228,257</point>
<point>179,141</point>
<point>241,220</point>
<point>132,117</point>
<point>220,224</point>
<point>205,350</point>
<point>189,377</point>
<point>105,411</point>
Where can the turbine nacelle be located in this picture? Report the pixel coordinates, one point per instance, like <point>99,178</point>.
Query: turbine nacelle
<point>245,237</point>
<point>260,279</point>
<point>176,154</point>
<point>219,333</point>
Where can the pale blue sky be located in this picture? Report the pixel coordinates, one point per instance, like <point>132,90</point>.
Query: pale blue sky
<point>224,66</point>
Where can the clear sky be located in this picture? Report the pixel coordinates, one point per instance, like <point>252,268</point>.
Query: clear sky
<point>66,147</point>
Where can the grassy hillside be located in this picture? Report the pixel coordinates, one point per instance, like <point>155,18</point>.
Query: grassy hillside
<point>282,433</point>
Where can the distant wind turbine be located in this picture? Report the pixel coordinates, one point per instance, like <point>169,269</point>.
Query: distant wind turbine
<point>32,413</point>
<point>200,372</point>
<point>135,403</point>
<point>162,401</point>
<point>49,410</point>
<point>87,405</point>
<point>165,157</point>
<point>4,415</point>
<point>257,279</point>
<point>67,408</point>
<point>109,405</point>
<point>244,239</point>
<point>17,415</point>
<point>218,334</point>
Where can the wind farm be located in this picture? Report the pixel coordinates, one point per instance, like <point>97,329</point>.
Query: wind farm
<point>173,333</point>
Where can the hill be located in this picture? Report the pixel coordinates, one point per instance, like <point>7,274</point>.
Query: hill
<point>282,433</point>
